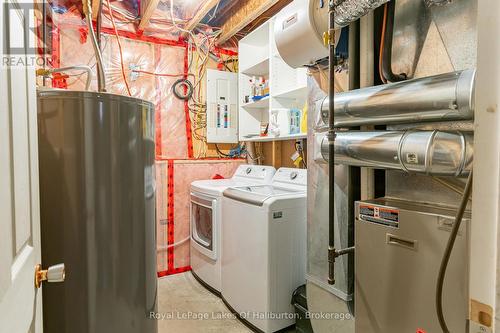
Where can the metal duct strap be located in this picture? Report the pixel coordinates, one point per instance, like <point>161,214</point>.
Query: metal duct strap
<point>434,153</point>
<point>447,96</point>
<point>350,10</point>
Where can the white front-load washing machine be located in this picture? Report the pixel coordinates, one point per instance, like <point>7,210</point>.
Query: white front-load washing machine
<point>264,249</point>
<point>206,215</point>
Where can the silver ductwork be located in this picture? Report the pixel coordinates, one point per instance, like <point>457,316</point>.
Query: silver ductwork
<point>442,97</point>
<point>348,11</point>
<point>435,153</point>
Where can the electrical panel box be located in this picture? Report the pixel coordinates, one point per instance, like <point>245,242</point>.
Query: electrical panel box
<point>222,107</point>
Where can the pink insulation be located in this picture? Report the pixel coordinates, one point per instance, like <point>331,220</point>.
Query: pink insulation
<point>184,173</point>
<point>172,122</point>
<point>138,57</point>
<point>161,214</point>
<point>126,14</point>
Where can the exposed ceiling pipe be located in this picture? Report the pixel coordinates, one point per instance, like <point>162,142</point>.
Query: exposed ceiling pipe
<point>447,96</point>
<point>435,153</point>
<point>349,11</point>
<point>87,8</point>
<point>101,84</point>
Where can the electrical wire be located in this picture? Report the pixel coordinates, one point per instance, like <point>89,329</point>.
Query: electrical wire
<point>257,156</point>
<point>200,47</point>
<point>220,152</point>
<point>188,86</point>
<point>212,16</point>
<point>160,74</point>
<point>119,48</point>
<point>300,150</point>
<point>447,253</point>
<point>78,76</point>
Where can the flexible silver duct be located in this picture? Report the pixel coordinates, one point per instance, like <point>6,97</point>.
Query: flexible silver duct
<point>350,10</point>
<point>447,96</point>
<point>435,153</point>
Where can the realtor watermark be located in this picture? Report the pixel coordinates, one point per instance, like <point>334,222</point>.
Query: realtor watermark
<point>22,44</point>
<point>248,315</point>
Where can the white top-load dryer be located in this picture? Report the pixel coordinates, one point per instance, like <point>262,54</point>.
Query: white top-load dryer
<point>206,196</point>
<point>264,249</point>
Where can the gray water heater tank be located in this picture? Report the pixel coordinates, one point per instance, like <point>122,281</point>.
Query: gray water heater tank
<point>97,197</point>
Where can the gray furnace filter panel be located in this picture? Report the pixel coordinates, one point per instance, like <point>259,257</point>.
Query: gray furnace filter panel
<point>96,159</point>
<point>399,246</point>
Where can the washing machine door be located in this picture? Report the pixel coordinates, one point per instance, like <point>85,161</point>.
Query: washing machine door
<point>203,224</point>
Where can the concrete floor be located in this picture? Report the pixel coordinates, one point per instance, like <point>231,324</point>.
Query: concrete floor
<point>180,295</point>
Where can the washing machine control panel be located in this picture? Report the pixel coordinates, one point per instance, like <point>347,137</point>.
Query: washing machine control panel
<point>291,176</point>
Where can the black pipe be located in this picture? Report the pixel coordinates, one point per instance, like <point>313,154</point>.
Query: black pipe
<point>331,136</point>
<point>387,52</point>
<point>354,172</point>
<point>447,253</point>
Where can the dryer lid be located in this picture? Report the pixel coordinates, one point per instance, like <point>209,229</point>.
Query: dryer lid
<point>257,195</point>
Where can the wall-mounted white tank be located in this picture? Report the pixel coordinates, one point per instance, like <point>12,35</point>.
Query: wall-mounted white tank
<point>298,32</point>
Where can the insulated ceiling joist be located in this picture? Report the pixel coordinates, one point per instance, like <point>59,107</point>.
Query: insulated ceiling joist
<point>95,8</point>
<point>243,14</point>
<point>207,6</point>
<point>147,9</point>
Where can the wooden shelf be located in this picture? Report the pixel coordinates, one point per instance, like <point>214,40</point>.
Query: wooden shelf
<point>276,138</point>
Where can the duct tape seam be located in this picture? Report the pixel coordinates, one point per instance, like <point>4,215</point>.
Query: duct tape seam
<point>189,133</point>
<point>170,232</point>
<point>171,269</point>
